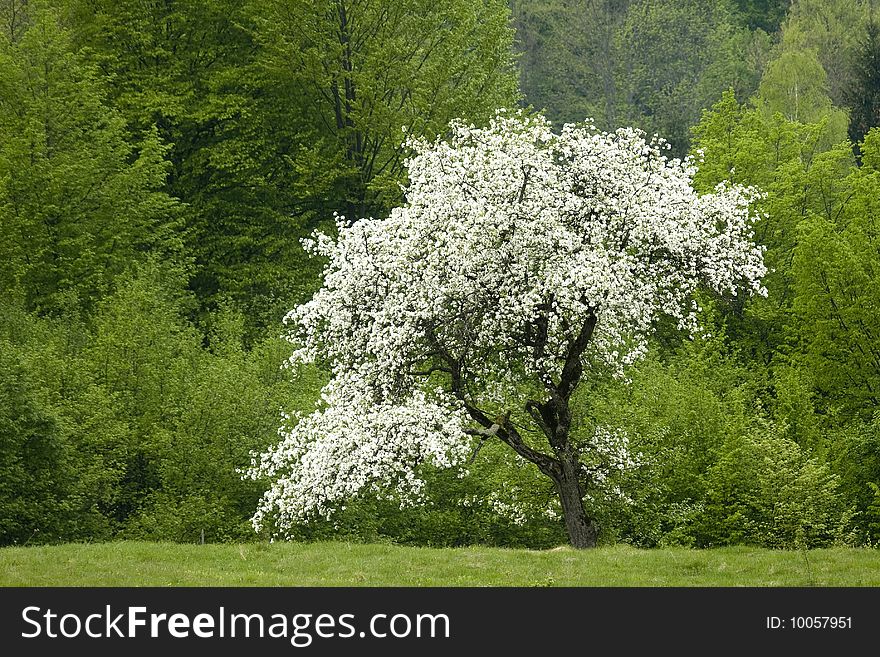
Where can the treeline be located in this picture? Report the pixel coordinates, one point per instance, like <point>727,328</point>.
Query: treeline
<point>159,162</point>
<point>656,64</point>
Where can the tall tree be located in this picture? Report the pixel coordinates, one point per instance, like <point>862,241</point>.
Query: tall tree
<point>796,86</point>
<point>362,74</point>
<point>14,17</point>
<point>568,54</point>
<point>836,270</point>
<point>281,112</point>
<point>653,64</point>
<point>185,68</point>
<point>79,202</point>
<point>522,263</point>
<point>676,57</point>
<point>790,143</point>
<point>834,30</point>
<point>863,96</point>
<point>763,14</point>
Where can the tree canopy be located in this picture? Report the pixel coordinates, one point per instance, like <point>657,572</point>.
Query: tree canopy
<point>521,261</point>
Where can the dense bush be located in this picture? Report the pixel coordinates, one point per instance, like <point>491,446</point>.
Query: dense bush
<point>128,426</point>
<point>765,491</point>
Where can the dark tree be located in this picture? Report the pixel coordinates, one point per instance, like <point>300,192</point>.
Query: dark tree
<point>864,97</point>
<point>763,14</point>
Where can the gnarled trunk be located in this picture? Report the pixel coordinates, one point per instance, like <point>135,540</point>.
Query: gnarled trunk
<point>582,531</point>
<point>553,417</point>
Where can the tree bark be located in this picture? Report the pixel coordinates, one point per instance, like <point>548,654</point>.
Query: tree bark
<point>553,417</point>
<point>582,531</point>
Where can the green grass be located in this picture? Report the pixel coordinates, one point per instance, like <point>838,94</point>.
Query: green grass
<point>341,564</point>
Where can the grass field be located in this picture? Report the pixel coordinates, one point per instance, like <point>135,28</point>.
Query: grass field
<point>341,564</point>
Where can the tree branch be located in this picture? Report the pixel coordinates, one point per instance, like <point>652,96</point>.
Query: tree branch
<point>431,370</point>
<point>572,370</point>
<point>537,411</point>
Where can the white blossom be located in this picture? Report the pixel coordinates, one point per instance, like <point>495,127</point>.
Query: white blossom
<point>511,239</point>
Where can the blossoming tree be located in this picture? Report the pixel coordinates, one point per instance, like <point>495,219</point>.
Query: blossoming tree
<point>522,261</point>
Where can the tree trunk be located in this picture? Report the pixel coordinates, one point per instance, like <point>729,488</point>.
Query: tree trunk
<point>553,417</point>
<point>581,530</point>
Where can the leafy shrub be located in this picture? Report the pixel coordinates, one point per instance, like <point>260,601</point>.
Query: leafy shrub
<point>765,491</point>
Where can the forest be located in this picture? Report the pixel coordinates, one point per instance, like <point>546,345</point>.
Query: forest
<point>161,162</point>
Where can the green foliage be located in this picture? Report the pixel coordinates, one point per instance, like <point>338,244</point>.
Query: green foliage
<point>13,18</point>
<point>863,94</point>
<point>764,491</point>
<point>836,265</point>
<point>793,408</point>
<point>870,151</point>
<point>795,85</point>
<point>678,57</point>
<point>195,416</point>
<point>186,67</point>
<point>855,458</point>
<point>654,65</point>
<point>280,113</point>
<point>135,429</point>
<point>160,161</point>
<point>817,329</point>
<point>873,513</point>
<point>79,202</point>
<point>678,411</point>
<point>799,168</point>
<point>763,14</point>
<point>33,468</point>
<point>567,54</point>
<point>834,30</point>
<point>62,447</point>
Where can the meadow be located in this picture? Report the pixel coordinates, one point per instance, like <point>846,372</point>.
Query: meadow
<point>350,564</point>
